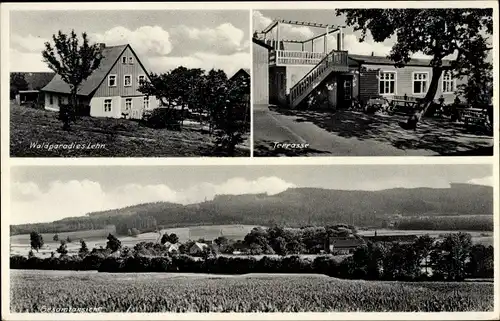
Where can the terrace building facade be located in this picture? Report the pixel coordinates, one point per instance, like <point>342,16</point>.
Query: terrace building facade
<point>299,69</point>
<point>111,90</point>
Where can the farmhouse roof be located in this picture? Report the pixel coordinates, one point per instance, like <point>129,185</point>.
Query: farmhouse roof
<point>346,242</point>
<point>244,71</point>
<point>110,57</point>
<point>199,245</point>
<point>379,60</point>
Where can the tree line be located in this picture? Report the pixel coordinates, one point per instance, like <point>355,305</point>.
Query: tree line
<point>451,258</point>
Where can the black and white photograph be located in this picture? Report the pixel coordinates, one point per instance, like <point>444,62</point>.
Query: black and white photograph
<point>288,238</point>
<point>129,83</point>
<point>373,82</point>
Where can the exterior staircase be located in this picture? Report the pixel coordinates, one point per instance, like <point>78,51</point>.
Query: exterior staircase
<point>334,61</point>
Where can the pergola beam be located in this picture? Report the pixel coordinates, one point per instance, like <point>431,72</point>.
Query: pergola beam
<point>270,27</point>
<point>308,24</point>
<point>322,35</point>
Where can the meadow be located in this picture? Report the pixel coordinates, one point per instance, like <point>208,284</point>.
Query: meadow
<point>20,244</point>
<point>34,291</point>
<point>122,138</point>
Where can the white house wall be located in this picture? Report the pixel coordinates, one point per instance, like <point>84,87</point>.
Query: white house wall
<point>97,107</point>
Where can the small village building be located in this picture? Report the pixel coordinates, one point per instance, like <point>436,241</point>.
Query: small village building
<point>197,248</point>
<point>35,81</point>
<point>111,90</point>
<point>320,65</point>
<point>343,245</point>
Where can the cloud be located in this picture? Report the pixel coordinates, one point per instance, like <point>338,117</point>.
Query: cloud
<point>290,32</point>
<point>76,198</point>
<point>229,63</point>
<point>224,39</point>
<point>146,40</point>
<point>28,62</point>
<point>27,43</point>
<point>487,181</point>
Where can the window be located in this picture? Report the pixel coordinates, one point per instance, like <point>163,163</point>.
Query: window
<point>124,60</point>
<point>387,83</point>
<point>141,78</point>
<point>127,80</point>
<point>420,80</point>
<point>145,102</point>
<point>128,104</point>
<point>112,80</point>
<point>51,99</point>
<point>107,105</point>
<point>130,60</point>
<point>448,83</point>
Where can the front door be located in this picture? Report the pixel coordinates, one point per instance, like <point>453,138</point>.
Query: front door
<point>344,93</point>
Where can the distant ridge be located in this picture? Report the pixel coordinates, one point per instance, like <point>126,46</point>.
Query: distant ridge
<point>293,207</point>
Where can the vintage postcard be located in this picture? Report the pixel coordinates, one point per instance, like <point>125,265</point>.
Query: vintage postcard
<point>250,161</point>
<point>368,82</point>
<point>150,83</point>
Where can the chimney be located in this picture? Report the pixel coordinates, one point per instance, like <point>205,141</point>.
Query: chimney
<point>101,45</point>
<point>372,53</point>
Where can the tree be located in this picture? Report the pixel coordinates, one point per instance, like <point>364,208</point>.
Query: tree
<point>114,244</point>
<point>17,82</point>
<point>173,238</point>
<point>423,246</point>
<point>481,261</point>
<point>56,238</point>
<point>68,239</point>
<point>36,240</point>
<point>62,249</point>
<point>74,63</point>
<point>233,119</point>
<point>438,33</point>
<point>84,250</point>
<point>134,232</point>
<point>449,256</point>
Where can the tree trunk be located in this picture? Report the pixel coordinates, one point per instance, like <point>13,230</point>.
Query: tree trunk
<point>431,92</point>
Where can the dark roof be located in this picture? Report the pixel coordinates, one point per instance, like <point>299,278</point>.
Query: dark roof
<point>241,71</point>
<point>378,60</point>
<point>262,43</point>
<point>390,238</point>
<point>346,242</point>
<point>37,80</point>
<point>110,57</point>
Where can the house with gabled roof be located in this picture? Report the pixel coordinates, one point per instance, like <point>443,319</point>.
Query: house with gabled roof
<point>111,90</point>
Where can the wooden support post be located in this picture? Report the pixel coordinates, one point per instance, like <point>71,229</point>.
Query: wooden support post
<point>302,46</point>
<point>325,47</point>
<point>278,36</point>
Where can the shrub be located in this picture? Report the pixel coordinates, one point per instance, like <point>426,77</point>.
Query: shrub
<point>163,118</point>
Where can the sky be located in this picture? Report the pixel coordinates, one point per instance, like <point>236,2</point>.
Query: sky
<point>48,193</point>
<point>162,39</point>
<point>262,18</point>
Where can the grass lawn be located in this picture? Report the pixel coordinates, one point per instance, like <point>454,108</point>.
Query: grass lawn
<point>35,291</point>
<point>117,137</point>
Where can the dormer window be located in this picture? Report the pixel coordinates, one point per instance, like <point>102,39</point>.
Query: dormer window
<point>131,60</point>
<point>124,60</point>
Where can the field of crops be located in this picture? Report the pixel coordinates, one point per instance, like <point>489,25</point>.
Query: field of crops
<point>34,291</point>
